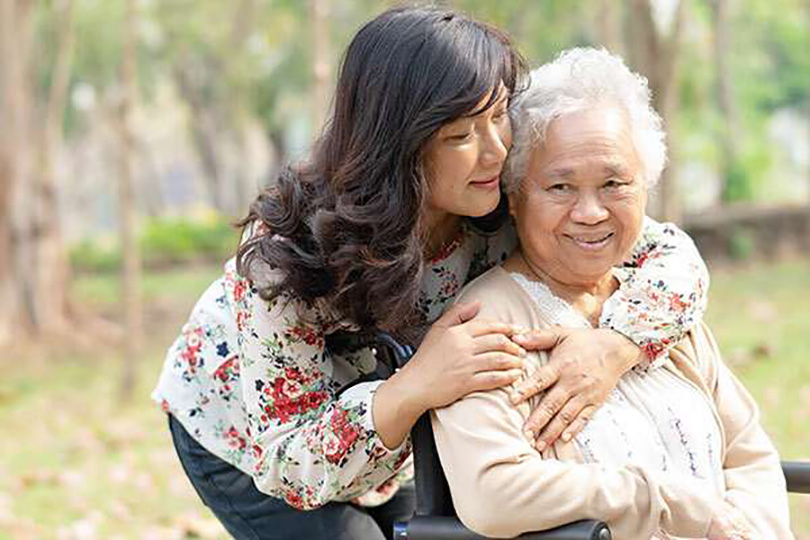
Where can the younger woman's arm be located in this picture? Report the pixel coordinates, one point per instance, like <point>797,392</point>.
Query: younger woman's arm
<point>662,294</point>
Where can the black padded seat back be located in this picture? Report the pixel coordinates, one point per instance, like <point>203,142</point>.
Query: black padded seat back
<point>432,492</point>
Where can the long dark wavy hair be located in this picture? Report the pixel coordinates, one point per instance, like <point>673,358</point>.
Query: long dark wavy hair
<point>345,226</point>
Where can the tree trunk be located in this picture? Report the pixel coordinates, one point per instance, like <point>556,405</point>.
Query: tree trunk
<point>609,25</point>
<point>217,126</point>
<point>807,112</point>
<point>51,267</point>
<point>34,270</point>
<point>244,189</point>
<point>10,109</point>
<point>131,270</point>
<point>16,286</point>
<point>205,132</point>
<point>320,64</point>
<point>654,53</point>
<point>733,185</point>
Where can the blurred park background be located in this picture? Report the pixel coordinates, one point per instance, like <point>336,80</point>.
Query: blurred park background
<point>134,132</point>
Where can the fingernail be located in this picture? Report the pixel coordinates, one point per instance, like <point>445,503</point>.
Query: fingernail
<point>566,437</point>
<point>540,445</point>
<point>514,397</point>
<point>519,337</point>
<point>522,352</point>
<point>529,435</point>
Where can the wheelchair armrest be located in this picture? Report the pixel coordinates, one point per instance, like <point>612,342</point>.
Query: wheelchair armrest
<point>797,475</point>
<point>450,528</point>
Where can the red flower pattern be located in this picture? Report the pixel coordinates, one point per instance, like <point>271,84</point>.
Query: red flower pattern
<point>280,356</point>
<point>191,351</point>
<point>345,435</point>
<point>305,333</point>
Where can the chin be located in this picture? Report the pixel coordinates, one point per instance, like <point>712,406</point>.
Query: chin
<point>483,209</point>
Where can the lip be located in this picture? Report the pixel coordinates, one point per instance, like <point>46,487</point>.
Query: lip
<point>591,242</point>
<point>488,184</point>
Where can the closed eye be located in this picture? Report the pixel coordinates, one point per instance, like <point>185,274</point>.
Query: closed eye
<point>461,137</point>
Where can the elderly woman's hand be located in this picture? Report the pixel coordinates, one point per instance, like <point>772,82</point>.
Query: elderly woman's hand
<point>584,366</point>
<point>729,524</point>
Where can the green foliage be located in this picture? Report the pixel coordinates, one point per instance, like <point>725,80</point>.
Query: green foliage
<point>163,242</point>
<point>741,244</point>
<point>772,61</point>
<point>174,241</point>
<point>737,186</point>
<point>252,59</point>
<point>540,29</point>
<point>95,256</point>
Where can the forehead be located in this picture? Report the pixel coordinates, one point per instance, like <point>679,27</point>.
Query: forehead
<point>595,137</point>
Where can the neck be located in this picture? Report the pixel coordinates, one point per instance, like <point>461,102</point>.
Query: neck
<point>441,228</point>
<point>586,295</point>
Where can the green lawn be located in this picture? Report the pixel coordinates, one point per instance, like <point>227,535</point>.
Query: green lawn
<point>761,318</point>
<point>78,465</point>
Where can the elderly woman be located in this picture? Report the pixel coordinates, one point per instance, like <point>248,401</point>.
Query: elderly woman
<point>677,448</point>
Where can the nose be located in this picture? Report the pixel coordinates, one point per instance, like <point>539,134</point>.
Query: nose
<point>494,147</point>
<point>589,209</point>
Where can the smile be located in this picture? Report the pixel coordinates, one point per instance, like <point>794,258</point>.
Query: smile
<point>591,242</point>
<point>490,183</point>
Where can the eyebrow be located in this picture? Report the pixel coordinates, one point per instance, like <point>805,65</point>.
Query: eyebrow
<point>617,169</point>
<point>611,168</point>
<point>559,174</point>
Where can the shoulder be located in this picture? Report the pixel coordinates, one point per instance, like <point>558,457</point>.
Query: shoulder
<point>282,309</point>
<point>500,296</point>
<point>487,286</point>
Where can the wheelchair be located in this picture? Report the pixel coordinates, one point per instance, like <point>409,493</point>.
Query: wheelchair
<point>435,517</point>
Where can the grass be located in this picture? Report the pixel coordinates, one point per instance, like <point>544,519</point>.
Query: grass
<point>761,318</point>
<point>77,464</point>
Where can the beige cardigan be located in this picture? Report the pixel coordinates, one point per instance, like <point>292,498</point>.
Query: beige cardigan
<point>502,487</point>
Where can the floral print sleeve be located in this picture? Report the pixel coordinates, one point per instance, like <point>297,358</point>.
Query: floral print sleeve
<point>663,291</point>
<point>313,445</point>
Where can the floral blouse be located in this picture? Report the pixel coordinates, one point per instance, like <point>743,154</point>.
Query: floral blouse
<point>253,382</point>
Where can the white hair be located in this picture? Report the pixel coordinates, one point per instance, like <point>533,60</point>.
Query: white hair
<point>577,80</point>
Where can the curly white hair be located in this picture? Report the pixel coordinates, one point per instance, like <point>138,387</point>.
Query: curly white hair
<point>578,79</point>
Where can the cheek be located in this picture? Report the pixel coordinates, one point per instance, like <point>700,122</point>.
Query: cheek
<point>444,171</point>
<point>506,134</point>
<point>537,220</point>
<point>631,217</point>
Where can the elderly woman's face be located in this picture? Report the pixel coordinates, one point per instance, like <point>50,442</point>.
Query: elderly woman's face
<point>581,206</point>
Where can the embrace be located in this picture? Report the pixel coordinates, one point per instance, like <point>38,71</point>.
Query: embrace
<point>676,449</point>
<point>572,379</point>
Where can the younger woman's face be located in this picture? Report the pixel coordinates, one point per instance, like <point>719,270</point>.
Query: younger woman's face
<point>464,161</point>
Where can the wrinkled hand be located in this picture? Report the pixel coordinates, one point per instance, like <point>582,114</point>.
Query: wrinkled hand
<point>583,368</point>
<point>729,524</point>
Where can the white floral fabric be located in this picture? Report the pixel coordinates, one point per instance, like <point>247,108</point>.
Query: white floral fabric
<point>253,382</point>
